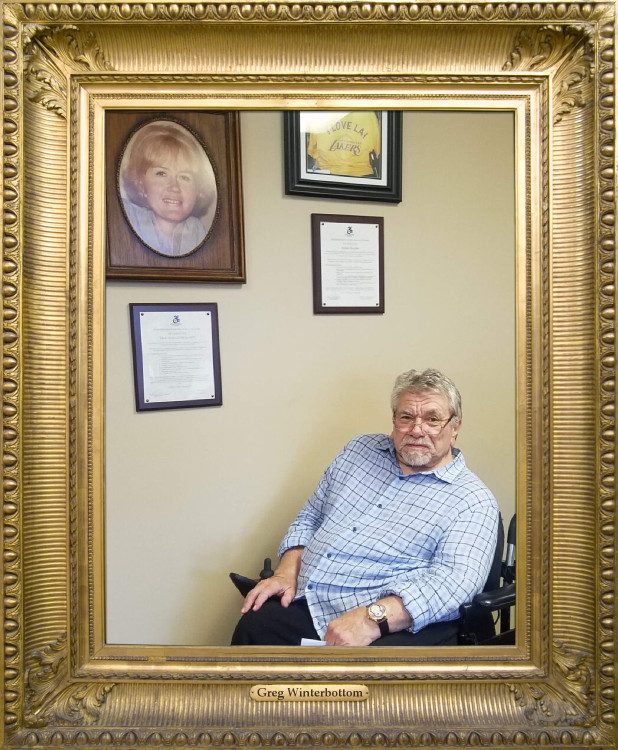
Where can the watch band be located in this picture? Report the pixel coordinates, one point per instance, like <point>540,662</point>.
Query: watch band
<point>383,625</point>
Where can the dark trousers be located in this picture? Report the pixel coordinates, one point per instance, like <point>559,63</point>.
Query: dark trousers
<point>274,625</point>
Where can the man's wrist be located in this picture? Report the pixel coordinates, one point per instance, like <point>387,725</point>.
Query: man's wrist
<point>399,618</point>
<point>377,613</point>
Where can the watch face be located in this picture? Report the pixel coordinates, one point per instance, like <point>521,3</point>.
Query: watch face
<point>376,611</point>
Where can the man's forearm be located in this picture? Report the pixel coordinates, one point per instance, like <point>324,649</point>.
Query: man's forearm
<point>289,564</point>
<point>356,628</point>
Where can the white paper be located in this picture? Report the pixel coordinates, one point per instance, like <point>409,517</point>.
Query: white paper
<point>350,264</point>
<point>177,355</point>
<point>311,642</point>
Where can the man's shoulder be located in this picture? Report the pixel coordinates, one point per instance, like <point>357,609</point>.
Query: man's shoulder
<point>471,488</point>
<point>475,493</point>
<point>363,449</point>
<point>368,442</point>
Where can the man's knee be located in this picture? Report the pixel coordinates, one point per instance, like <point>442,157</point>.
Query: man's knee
<point>252,627</point>
<point>274,625</point>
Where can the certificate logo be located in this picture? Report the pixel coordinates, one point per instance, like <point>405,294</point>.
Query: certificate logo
<point>176,320</point>
<point>349,231</point>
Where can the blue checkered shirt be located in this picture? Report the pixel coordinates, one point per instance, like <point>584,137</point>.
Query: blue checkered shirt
<point>369,531</point>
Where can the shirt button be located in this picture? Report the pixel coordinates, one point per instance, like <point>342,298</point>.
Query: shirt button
<point>379,505</point>
<point>309,587</point>
<point>353,528</point>
<point>328,554</point>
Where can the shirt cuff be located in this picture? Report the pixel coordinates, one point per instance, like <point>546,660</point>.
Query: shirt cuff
<point>410,603</point>
<point>296,539</point>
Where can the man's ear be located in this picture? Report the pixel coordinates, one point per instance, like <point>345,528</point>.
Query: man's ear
<point>456,432</point>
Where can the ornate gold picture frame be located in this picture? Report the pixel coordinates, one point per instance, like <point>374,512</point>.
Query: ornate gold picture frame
<point>67,64</point>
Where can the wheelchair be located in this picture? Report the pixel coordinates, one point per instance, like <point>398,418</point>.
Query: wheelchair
<point>486,620</point>
<point>478,626</point>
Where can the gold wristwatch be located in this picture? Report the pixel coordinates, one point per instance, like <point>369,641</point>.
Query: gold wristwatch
<point>377,613</point>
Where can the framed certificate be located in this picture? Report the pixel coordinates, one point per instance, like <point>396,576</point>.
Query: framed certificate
<point>348,263</point>
<point>176,361</point>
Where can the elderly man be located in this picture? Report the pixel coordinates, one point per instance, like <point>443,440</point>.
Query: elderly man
<point>398,533</point>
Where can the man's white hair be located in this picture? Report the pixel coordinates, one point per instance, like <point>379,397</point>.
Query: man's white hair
<point>414,381</point>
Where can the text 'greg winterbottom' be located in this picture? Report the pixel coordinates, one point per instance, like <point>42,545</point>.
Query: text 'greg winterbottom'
<point>300,692</point>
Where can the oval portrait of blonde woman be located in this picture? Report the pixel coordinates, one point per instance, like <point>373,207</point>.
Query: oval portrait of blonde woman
<point>168,188</point>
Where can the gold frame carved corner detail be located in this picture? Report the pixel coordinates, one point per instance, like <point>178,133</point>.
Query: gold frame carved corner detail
<point>48,54</point>
<point>66,64</point>
<point>575,706</point>
<point>51,698</point>
<point>570,49</point>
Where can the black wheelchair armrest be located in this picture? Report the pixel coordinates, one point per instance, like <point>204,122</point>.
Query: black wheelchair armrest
<point>476,620</point>
<point>497,599</point>
<point>242,583</point>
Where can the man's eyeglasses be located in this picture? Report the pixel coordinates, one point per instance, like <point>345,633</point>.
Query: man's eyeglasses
<point>429,425</point>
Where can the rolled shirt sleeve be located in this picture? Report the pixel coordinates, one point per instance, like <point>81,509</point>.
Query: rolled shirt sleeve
<point>308,520</point>
<point>457,572</point>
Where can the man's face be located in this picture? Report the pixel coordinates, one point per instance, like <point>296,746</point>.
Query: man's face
<point>422,435</point>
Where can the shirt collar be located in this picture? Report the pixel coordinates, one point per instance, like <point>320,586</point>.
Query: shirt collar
<point>447,473</point>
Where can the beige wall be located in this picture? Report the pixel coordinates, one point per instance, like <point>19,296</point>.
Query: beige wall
<point>193,494</point>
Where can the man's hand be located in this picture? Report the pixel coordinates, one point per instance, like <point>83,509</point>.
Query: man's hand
<point>282,583</point>
<point>353,628</point>
<point>276,585</point>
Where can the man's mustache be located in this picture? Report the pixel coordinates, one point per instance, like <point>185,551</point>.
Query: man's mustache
<point>416,443</point>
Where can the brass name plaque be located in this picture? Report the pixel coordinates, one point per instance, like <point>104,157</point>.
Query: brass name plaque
<point>307,692</point>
